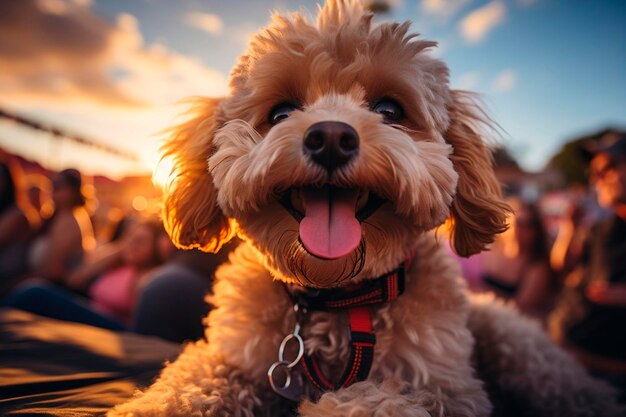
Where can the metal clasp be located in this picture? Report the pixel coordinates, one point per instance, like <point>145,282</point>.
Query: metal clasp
<point>293,387</point>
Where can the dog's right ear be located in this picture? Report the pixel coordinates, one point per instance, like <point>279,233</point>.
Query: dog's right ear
<point>190,212</point>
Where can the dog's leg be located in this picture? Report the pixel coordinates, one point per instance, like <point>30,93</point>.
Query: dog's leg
<point>194,385</point>
<point>368,399</point>
<point>530,374</point>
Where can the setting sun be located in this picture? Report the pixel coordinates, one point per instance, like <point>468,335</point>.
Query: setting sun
<point>163,172</point>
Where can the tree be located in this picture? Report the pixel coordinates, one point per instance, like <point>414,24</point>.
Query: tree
<point>378,6</point>
<point>571,162</point>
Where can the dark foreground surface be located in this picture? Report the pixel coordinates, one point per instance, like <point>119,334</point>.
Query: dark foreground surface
<point>57,368</point>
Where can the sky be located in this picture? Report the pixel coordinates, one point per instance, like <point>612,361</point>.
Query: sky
<point>115,71</point>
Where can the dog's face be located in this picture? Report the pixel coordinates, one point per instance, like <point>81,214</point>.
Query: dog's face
<point>339,144</point>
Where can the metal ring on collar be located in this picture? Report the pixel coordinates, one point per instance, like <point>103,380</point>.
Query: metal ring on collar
<point>270,375</point>
<point>283,346</point>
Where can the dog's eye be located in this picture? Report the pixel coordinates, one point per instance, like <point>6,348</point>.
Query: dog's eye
<point>280,111</point>
<point>389,109</point>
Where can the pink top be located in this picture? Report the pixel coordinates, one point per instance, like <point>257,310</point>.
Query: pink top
<point>112,293</point>
<point>472,269</point>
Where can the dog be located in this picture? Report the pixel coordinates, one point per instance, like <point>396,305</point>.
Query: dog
<point>338,153</point>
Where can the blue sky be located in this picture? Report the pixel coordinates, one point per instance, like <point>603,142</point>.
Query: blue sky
<point>548,70</point>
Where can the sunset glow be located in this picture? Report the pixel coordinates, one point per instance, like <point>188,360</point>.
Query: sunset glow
<point>162,172</point>
<point>113,71</point>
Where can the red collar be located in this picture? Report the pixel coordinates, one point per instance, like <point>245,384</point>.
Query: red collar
<point>355,299</point>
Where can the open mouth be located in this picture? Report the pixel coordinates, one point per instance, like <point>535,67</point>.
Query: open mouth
<point>330,217</point>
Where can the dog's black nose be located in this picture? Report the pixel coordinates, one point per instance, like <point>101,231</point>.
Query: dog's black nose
<point>331,144</point>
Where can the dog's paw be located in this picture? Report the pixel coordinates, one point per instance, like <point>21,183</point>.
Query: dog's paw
<point>393,399</point>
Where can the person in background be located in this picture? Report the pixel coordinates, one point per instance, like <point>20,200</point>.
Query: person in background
<point>18,222</point>
<point>111,282</point>
<point>172,302</point>
<point>39,192</point>
<point>105,256</point>
<point>67,235</point>
<point>590,318</point>
<point>517,266</point>
<point>580,213</point>
<point>116,290</point>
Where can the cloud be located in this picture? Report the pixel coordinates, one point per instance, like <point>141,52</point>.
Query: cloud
<point>504,81</point>
<point>243,33</point>
<point>444,8</point>
<point>467,81</point>
<point>207,22</point>
<point>61,63</point>
<point>174,76</point>
<point>476,25</point>
<point>56,7</point>
<point>60,51</point>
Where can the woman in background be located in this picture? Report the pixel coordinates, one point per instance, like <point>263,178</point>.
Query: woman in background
<point>18,221</point>
<point>67,235</point>
<point>116,289</point>
<point>111,281</point>
<point>517,267</point>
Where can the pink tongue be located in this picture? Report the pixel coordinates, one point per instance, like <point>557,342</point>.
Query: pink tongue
<point>329,228</point>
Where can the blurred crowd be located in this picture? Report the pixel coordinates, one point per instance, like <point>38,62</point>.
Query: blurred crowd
<point>57,260</point>
<point>562,262</point>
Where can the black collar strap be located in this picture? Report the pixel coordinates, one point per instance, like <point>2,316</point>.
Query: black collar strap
<point>355,299</point>
<point>366,293</point>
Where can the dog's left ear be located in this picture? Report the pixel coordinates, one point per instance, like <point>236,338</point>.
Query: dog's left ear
<point>190,211</point>
<point>478,211</point>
